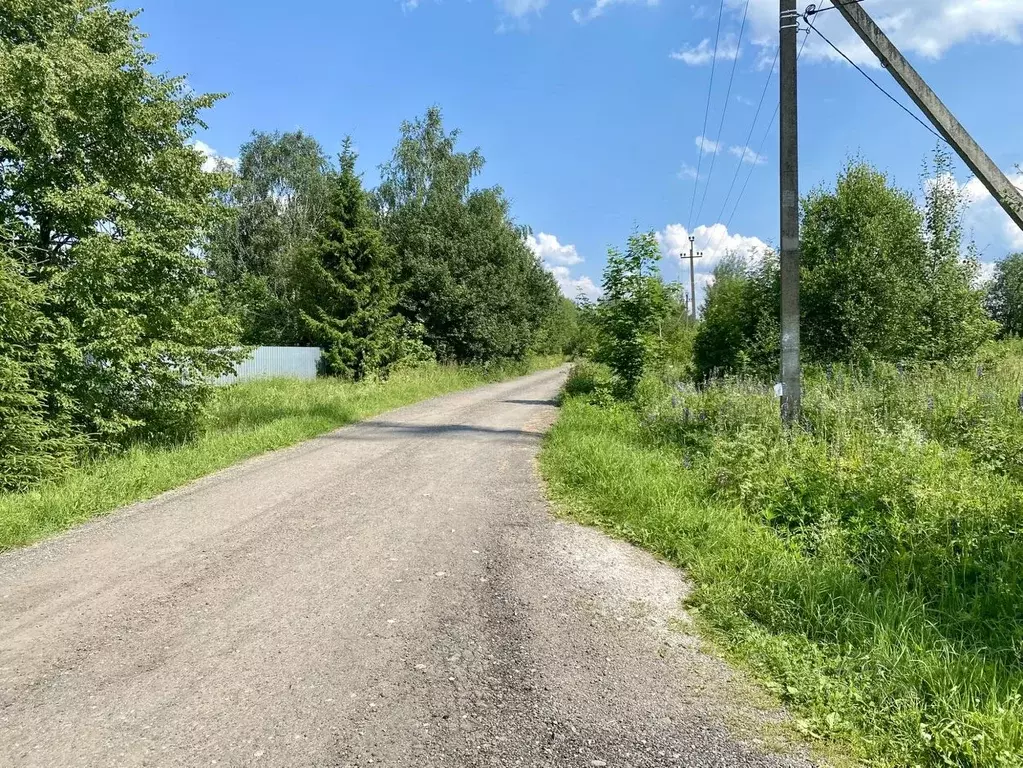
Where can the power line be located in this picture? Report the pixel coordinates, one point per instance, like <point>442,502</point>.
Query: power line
<point>706,113</point>
<point>749,137</point>
<point>724,111</point>
<point>876,84</point>
<point>760,149</point>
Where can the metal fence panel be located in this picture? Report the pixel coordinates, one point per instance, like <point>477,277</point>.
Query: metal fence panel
<point>269,362</point>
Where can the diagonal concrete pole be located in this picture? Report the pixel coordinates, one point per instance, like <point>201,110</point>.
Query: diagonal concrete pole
<point>944,121</point>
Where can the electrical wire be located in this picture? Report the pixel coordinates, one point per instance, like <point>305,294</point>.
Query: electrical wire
<point>706,113</point>
<point>760,149</point>
<point>749,136</point>
<point>724,111</point>
<point>876,84</point>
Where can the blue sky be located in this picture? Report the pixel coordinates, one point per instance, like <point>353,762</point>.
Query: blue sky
<point>590,112</point>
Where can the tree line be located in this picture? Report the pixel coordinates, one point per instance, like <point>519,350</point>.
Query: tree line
<point>884,278</point>
<point>424,267</point>
<point>130,276</point>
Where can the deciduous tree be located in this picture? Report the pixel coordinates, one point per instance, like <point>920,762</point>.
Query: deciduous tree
<point>464,270</point>
<point>105,200</point>
<point>277,201</point>
<point>630,311</point>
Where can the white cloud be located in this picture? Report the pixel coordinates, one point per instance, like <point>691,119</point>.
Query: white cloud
<point>984,221</point>
<point>600,6</point>
<point>514,9</point>
<point>550,251</point>
<point>748,155</point>
<point>695,56</point>
<point>573,286</point>
<point>557,258</point>
<point>519,8</point>
<point>715,242</point>
<point>987,272</point>
<point>921,28</point>
<point>705,144</point>
<point>212,160</point>
<point>687,172</point>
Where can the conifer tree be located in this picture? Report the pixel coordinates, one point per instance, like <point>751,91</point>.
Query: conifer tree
<point>348,296</point>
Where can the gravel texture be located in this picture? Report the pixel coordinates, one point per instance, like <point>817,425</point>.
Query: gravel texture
<point>395,593</point>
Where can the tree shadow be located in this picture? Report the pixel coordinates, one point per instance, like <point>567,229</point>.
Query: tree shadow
<point>365,430</point>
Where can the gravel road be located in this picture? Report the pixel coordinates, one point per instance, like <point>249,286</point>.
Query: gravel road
<point>393,594</point>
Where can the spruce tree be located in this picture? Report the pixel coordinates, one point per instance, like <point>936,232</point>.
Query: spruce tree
<point>348,295</point>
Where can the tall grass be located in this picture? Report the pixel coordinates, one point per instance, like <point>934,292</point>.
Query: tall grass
<point>245,420</point>
<point>867,566</point>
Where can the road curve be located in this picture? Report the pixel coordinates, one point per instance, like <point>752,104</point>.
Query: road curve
<point>395,593</point>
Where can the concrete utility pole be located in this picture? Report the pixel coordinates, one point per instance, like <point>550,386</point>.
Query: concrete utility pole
<point>693,254</point>
<point>791,398</point>
<point>944,121</point>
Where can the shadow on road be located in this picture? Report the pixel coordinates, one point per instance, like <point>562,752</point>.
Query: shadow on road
<point>532,402</point>
<point>368,430</point>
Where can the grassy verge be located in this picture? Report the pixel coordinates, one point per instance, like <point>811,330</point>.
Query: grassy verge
<point>245,420</point>
<point>867,570</point>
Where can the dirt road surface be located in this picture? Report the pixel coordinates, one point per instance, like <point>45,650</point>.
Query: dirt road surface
<point>396,593</point>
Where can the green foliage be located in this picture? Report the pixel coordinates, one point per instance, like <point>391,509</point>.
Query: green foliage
<point>103,202</point>
<point>861,288</point>
<point>585,338</point>
<point>676,331</point>
<point>559,331</point>
<point>32,445</point>
<point>881,280</point>
<point>1005,295</point>
<point>346,294</point>
<point>276,203</point>
<point>463,268</point>
<point>740,332</point>
<point>953,315</point>
<point>865,567</point>
<point>587,379</point>
<point>630,312</point>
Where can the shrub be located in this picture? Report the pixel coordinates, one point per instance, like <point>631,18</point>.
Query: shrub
<point>587,379</point>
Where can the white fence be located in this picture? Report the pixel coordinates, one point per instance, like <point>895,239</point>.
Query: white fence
<point>269,362</point>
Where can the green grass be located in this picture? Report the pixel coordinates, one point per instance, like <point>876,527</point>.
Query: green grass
<point>867,570</point>
<point>245,420</point>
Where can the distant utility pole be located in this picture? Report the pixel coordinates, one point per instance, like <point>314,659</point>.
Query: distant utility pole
<point>693,254</point>
<point>944,121</point>
<point>791,398</point>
